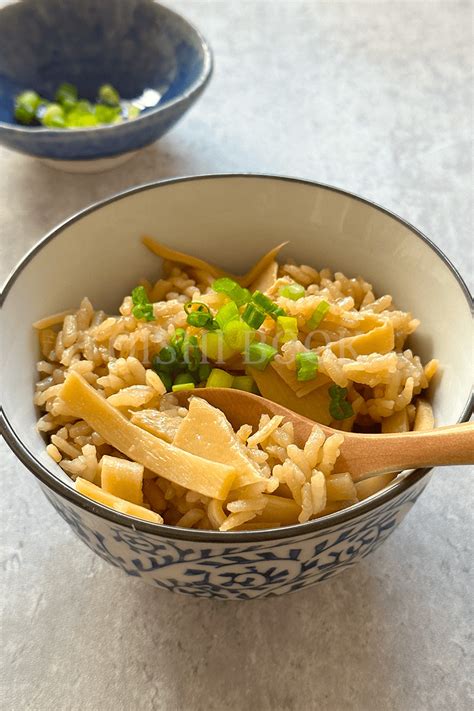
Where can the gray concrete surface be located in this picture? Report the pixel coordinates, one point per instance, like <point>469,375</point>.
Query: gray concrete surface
<point>374,97</point>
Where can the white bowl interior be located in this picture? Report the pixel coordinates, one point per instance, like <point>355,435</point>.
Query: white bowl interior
<point>233,221</point>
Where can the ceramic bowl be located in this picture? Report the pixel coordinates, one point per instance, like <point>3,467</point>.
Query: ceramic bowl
<point>233,219</point>
<point>133,44</point>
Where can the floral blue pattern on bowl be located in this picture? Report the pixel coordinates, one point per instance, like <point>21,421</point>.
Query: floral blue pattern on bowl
<point>133,44</point>
<point>240,570</point>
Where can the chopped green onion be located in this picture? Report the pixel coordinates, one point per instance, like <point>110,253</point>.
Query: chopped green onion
<point>340,410</point>
<point>337,393</point>
<point>199,320</point>
<point>182,386</point>
<point>306,366</point>
<point>318,315</point>
<point>165,379</point>
<point>238,335</point>
<point>108,95</point>
<point>139,296</point>
<point>182,378</point>
<point>253,316</point>
<point>204,372</point>
<point>229,312</point>
<point>82,115</point>
<point>339,407</point>
<point>54,117</point>
<point>142,307</point>
<point>287,329</point>
<point>219,379</point>
<point>234,291</point>
<point>215,347</point>
<point>244,382</point>
<point>165,360</point>
<point>107,114</point>
<point>267,305</point>
<point>177,339</point>
<point>292,291</point>
<point>66,95</point>
<point>68,111</point>
<point>145,312</point>
<point>199,315</point>
<point>191,353</point>
<point>259,355</point>
<point>26,105</point>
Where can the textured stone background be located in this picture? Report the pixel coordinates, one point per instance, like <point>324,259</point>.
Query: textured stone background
<point>374,97</point>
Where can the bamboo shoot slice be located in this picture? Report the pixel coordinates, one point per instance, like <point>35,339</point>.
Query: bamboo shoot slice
<point>299,387</point>
<point>278,509</point>
<point>52,320</point>
<point>103,497</point>
<point>266,279</point>
<point>315,405</point>
<point>258,268</point>
<point>370,486</point>
<point>122,478</point>
<point>157,423</point>
<point>206,432</point>
<point>424,419</point>
<point>187,260</point>
<point>180,467</point>
<point>196,263</point>
<point>398,422</point>
<point>340,487</point>
<point>379,340</point>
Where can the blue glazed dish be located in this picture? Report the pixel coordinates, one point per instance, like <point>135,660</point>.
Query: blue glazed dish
<point>237,217</point>
<point>133,44</point>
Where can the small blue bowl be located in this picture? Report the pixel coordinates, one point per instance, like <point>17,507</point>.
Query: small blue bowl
<point>134,45</point>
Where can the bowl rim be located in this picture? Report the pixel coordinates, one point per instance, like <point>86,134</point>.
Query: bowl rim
<point>47,478</point>
<point>197,85</point>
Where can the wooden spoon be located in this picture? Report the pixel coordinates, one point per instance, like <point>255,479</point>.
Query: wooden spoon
<point>363,455</point>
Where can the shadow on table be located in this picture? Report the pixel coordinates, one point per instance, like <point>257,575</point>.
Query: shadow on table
<point>46,189</point>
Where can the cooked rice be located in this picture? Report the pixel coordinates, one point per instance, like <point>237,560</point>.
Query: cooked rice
<point>113,354</point>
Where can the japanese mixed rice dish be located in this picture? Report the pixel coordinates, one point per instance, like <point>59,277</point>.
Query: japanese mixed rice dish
<point>319,343</point>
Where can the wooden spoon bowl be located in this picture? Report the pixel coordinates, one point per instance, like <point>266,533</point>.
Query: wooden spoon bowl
<point>363,455</point>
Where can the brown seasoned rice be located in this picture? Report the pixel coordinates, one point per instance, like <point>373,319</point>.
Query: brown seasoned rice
<point>113,354</point>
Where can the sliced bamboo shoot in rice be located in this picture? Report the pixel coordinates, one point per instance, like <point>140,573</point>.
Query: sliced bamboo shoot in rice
<point>353,320</point>
<point>114,502</point>
<point>154,495</point>
<point>260,266</point>
<point>370,486</point>
<point>52,320</point>
<point>203,476</point>
<point>424,419</point>
<point>206,432</point>
<point>299,387</point>
<point>315,405</point>
<point>278,508</point>
<point>189,260</point>
<point>398,422</point>
<point>122,478</point>
<point>266,279</point>
<point>340,487</point>
<point>157,423</point>
<point>379,340</point>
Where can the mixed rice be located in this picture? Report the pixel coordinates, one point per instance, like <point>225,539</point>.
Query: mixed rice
<point>317,342</point>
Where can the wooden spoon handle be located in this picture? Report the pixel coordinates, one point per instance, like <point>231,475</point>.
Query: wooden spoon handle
<point>370,455</point>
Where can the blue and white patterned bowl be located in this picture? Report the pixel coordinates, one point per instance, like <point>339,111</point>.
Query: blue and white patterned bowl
<point>233,219</point>
<point>132,44</point>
